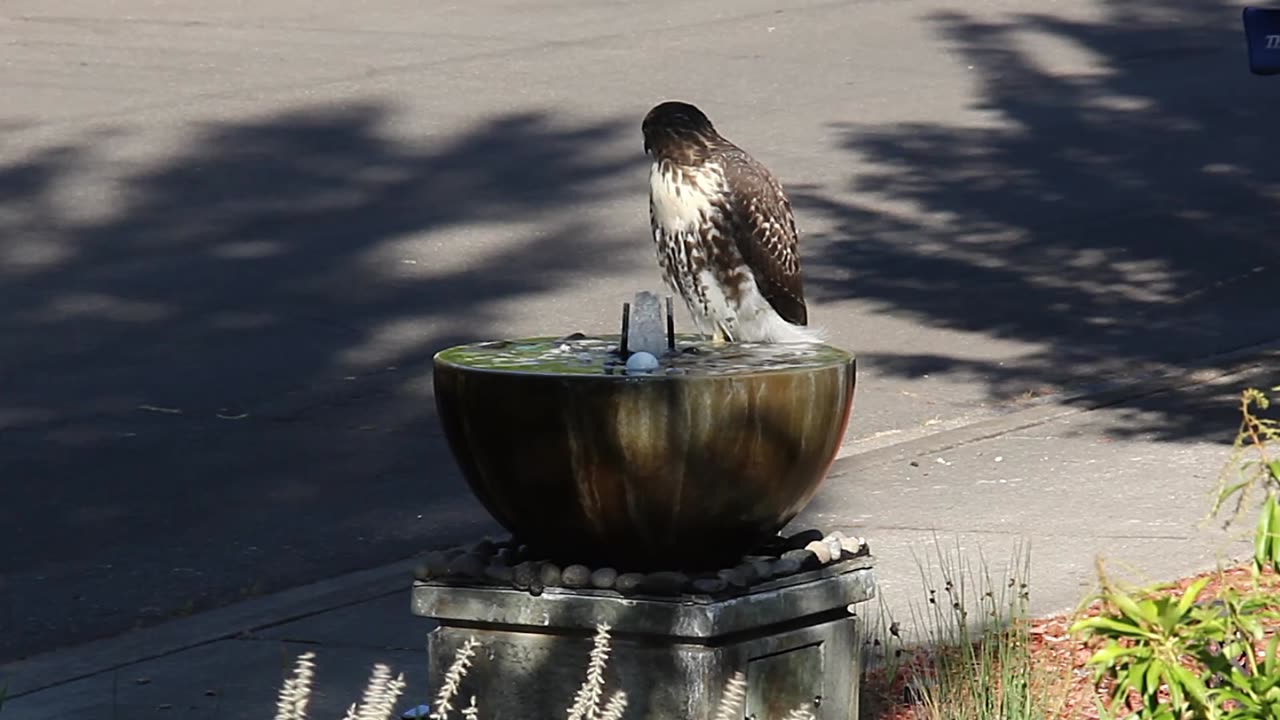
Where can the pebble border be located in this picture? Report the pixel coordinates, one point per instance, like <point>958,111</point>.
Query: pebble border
<point>508,564</point>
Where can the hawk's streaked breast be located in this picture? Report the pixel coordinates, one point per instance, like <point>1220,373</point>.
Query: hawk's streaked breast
<point>680,200</point>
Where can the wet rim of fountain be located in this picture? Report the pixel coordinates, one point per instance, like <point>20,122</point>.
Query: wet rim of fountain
<point>508,564</point>
<point>600,356</point>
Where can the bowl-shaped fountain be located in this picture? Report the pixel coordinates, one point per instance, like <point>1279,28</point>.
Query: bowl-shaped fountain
<point>686,466</point>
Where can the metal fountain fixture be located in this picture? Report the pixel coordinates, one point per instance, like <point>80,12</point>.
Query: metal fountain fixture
<point>645,479</point>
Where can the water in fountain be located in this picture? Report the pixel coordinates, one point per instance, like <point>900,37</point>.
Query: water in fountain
<point>598,355</point>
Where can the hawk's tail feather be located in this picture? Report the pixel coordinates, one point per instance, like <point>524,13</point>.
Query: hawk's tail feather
<point>786,333</point>
<point>817,333</point>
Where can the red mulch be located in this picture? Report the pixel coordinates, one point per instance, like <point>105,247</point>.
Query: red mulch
<point>1052,649</point>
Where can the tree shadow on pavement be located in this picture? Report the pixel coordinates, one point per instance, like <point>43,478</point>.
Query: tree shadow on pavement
<point>219,384</point>
<point>1119,215</point>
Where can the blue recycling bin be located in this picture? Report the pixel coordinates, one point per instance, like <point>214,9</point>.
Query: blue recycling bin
<point>1262,38</point>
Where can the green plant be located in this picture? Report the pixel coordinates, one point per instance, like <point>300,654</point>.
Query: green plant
<point>1252,459</point>
<point>969,656</point>
<point>1181,656</point>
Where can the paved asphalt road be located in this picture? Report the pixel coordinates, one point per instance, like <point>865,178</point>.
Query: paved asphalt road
<point>233,234</point>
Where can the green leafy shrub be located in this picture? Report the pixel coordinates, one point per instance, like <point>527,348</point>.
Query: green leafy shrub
<point>1180,656</point>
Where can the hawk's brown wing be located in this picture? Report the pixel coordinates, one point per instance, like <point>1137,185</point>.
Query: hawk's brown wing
<point>765,233</point>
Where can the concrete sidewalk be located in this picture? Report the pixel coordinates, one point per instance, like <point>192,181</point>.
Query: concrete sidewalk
<point>1063,475</point>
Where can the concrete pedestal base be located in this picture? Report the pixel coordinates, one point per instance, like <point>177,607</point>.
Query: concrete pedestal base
<point>796,641</point>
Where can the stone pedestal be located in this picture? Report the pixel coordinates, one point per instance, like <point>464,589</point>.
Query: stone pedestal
<point>796,640</point>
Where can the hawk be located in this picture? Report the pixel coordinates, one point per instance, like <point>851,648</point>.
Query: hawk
<point>724,231</point>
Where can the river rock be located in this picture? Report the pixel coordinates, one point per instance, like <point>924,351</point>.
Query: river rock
<point>772,547</point>
<point>782,567</point>
<point>628,583</point>
<point>604,578</point>
<point>549,574</point>
<point>665,582</point>
<point>833,545</point>
<point>853,545</point>
<point>500,574</point>
<point>820,551</point>
<point>469,566</point>
<point>802,538</point>
<point>749,572</point>
<point>734,577</point>
<point>524,575</point>
<point>710,585</point>
<point>576,576</point>
<point>436,563</point>
<point>806,558</point>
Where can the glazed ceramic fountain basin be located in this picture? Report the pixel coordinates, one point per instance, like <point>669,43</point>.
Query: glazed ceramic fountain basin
<point>688,467</point>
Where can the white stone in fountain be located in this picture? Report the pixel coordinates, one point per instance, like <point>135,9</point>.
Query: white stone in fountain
<point>642,362</point>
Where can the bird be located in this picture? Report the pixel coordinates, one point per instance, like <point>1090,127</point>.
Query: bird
<point>724,231</point>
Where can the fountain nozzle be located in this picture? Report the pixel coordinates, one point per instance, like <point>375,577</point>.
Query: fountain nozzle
<point>644,327</point>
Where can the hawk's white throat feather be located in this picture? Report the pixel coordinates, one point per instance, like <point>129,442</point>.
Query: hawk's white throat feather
<point>683,206</point>
<point>725,237</point>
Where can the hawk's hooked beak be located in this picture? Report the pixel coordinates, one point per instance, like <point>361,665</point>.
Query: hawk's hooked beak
<point>646,146</point>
